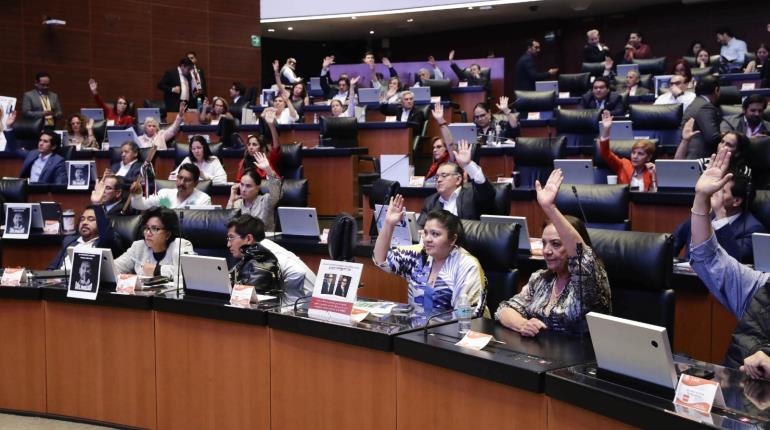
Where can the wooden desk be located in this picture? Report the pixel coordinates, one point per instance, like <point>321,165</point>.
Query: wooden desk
<point>332,179</point>
<point>468,97</point>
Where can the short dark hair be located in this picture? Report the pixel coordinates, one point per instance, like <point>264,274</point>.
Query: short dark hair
<point>206,148</point>
<point>247,224</point>
<point>483,105</point>
<point>530,42</point>
<point>131,144</point>
<point>724,30</point>
<point>601,79</point>
<point>185,62</point>
<point>191,52</point>
<point>253,174</point>
<point>167,217</point>
<point>742,188</point>
<point>42,74</point>
<point>193,169</point>
<point>638,34</point>
<point>55,138</point>
<point>346,80</point>
<point>239,87</point>
<point>450,222</point>
<point>742,148</point>
<point>754,98</point>
<point>119,182</point>
<point>706,86</point>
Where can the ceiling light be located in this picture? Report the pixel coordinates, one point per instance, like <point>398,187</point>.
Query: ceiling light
<point>290,28</point>
<point>271,30</point>
<point>410,20</point>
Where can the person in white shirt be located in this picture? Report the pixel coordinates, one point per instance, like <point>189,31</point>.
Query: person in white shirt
<point>677,93</point>
<point>424,73</point>
<point>288,71</point>
<point>128,167</point>
<point>154,136</point>
<point>185,193</point>
<point>733,50</point>
<point>209,165</point>
<point>337,105</point>
<point>285,113</point>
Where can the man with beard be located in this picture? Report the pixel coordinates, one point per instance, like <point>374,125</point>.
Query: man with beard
<point>750,122</point>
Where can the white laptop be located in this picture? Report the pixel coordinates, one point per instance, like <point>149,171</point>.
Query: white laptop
<point>298,221</point>
<point>421,94</point>
<point>576,171</point>
<point>315,86</point>
<point>205,274</point>
<point>463,131</point>
<point>760,243</point>
<point>662,82</point>
<point>368,95</point>
<point>96,114</point>
<point>632,349</point>
<point>405,232</point>
<point>677,173</point>
<point>623,69</point>
<point>119,137</point>
<point>143,113</point>
<point>520,220</point>
<point>547,86</point>
<point>621,130</point>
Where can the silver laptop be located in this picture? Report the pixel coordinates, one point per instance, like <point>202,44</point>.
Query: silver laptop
<point>421,94</point>
<point>315,86</point>
<point>677,173</point>
<point>576,171</point>
<point>96,114</point>
<point>520,220</point>
<point>298,221</point>
<point>205,274</point>
<point>547,86</point>
<point>632,348</point>
<point>143,113</point>
<point>117,138</point>
<point>621,130</point>
<point>760,243</point>
<point>662,83</point>
<point>405,232</point>
<point>463,131</point>
<point>368,95</point>
<point>623,69</point>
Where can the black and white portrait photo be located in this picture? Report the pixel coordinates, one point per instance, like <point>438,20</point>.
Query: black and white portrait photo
<point>78,175</point>
<point>84,278</point>
<point>328,284</point>
<point>18,220</point>
<point>343,286</point>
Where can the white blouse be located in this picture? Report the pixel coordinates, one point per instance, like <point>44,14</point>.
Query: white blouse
<point>211,169</point>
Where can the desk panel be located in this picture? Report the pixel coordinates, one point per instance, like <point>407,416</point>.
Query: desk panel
<point>332,183</point>
<point>29,254</point>
<point>657,218</point>
<point>563,415</point>
<point>22,362</point>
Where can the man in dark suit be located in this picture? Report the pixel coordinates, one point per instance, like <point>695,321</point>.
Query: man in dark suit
<point>406,112</point>
<point>41,102</point>
<point>467,201</point>
<point>733,223</point>
<point>526,72</point>
<point>94,230</point>
<point>197,79</point>
<point>473,76</point>
<point>327,287</point>
<point>600,97</point>
<point>707,118</point>
<point>114,198</point>
<point>43,165</point>
<point>632,87</point>
<point>750,122</point>
<point>176,85</point>
<point>594,51</point>
<point>129,166</point>
<point>343,286</point>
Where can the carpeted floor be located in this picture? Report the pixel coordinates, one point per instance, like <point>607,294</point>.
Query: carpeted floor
<point>17,422</point>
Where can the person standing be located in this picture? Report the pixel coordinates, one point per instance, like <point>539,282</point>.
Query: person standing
<point>526,72</point>
<point>41,102</point>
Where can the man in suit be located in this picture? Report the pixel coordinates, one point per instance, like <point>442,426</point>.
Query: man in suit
<point>238,98</point>
<point>467,201</point>
<point>473,76</point>
<point>732,222</point>
<point>632,85</point>
<point>114,198</point>
<point>43,165</point>
<point>327,287</point>
<point>197,79</point>
<point>406,112</point>
<point>594,51</point>
<point>750,122</point>
<point>129,166</point>
<point>41,102</point>
<point>526,72</point>
<point>343,286</point>
<point>94,230</point>
<point>707,118</point>
<point>600,97</point>
<point>176,85</point>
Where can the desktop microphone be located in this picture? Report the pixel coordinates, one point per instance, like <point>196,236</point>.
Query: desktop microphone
<point>427,323</point>
<point>179,254</point>
<point>580,205</point>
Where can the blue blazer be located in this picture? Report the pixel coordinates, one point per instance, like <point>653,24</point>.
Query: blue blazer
<point>54,171</point>
<point>133,171</point>
<point>735,238</point>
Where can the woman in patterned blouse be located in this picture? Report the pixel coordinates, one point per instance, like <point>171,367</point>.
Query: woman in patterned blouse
<point>553,298</point>
<point>439,272</point>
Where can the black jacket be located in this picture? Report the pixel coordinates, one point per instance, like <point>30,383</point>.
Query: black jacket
<point>481,81</point>
<point>527,74</point>
<point>474,200</point>
<point>170,80</point>
<point>416,118</point>
<point>259,268</point>
<point>592,54</point>
<point>753,331</point>
<point>108,238</point>
<point>707,120</point>
<point>614,103</point>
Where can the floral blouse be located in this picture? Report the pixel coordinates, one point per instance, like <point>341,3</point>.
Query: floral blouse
<point>567,314</point>
<point>461,275</point>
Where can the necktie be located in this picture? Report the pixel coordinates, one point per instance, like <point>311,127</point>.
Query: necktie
<point>47,107</point>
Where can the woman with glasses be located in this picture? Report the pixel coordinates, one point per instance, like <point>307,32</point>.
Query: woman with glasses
<point>157,253</point>
<point>81,133</point>
<point>213,115</point>
<point>488,127</point>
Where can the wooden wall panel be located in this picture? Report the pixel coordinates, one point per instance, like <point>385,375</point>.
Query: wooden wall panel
<point>11,35</point>
<point>137,86</point>
<point>56,47</point>
<point>12,79</point>
<point>183,24</point>
<point>232,30</point>
<point>243,7</point>
<point>126,18</point>
<point>234,62</point>
<point>75,12</point>
<point>195,5</point>
<point>121,52</point>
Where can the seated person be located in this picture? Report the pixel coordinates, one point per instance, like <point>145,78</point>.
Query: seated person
<point>157,254</point>
<point>740,289</point>
<point>298,97</point>
<point>473,76</point>
<point>554,299</point>
<point>129,166</point>
<point>424,73</point>
<point>80,132</point>
<point>391,94</point>
<point>438,271</point>
<point>703,60</point>
<point>762,55</point>
<point>209,165</point>
<point>736,143</point>
<point>245,195</point>
<point>113,199</point>
<point>154,136</point>
<point>378,80</point>
<point>245,239</point>
<point>256,144</point>
<point>211,115</point>
<point>749,122</point>
<point>185,193</point>
<point>682,68</point>
<point>467,201</point>
<point>632,87</point>
<point>43,165</point>
<point>284,109</point>
<point>600,97</point>
<point>488,127</point>
<point>677,93</point>
<point>117,115</point>
<point>731,220</point>
<point>406,112</point>
<point>639,171</point>
<point>343,93</point>
<point>441,155</point>
<point>287,72</point>
<point>338,105</point>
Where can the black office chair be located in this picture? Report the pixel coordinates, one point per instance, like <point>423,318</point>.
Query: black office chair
<point>66,151</point>
<point>749,57</point>
<point>595,69</point>
<point>534,101</point>
<point>759,161</point>
<point>580,127</point>
<point>100,131</point>
<point>651,66</point>
<point>576,83</point>
<point>127,230</point>
<point>605,206</point>
<point>182,150</point>
<point>502,198</point>
<point>160,104</point>
<point>294,193</point>
<point>730,110</point>
<point>342,238</point>
<point>699,72</point>
<point>204,186</point>
<point>207,229</point>
<point>495,246</point>
<point>729,95</point>
<point>661,122</point>
<point>438,88</point>
<point>639,270</point>
<point>226,129</point>
<point>534,158</point>
<point>290,163</point>
<point>760,207</point>
<point>379,193</point>
<point>340,132</point>
<point>14,190</point>
<point>26,132</point>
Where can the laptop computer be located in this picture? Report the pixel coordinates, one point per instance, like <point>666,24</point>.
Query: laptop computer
<point>143,113</point>
<point>116,138</point>
<point>662,82</point>
<point>576,171</point>
<point>623,69</point>
<point>760,243</point>
<point>621,130</point>
<point>677,173</point>
<point>97,114</point>
<point>547,86</point>
<point>315,86</point>
<point>206,276</point>
<point>632,349</point>
<point>299,222</point>
<point>520,220</point>
<point>405,232</point>
<point>368,95</point>
<point>421,94</point>
<point>463,131</point>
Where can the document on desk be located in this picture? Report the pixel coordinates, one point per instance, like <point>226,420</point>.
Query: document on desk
<point>335,291</point>
<point>698,393</point>
<point>474,340</point>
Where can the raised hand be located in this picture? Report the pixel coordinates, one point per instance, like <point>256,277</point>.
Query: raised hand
<point>386,62</point>
<point>206,104</point>
<point>328,61</point>
<point>438,112</point>
<point>93,86</point>
<point>687,129</point>
<point>463,153</point>
<point>182,107</point>
<point>97,195</point>
<point>11,119</point>
<point>276,66</point>
<point>718,204</point>
<point>136,187</point>
<point>354,81</point>
<point>90,124</point>
<point>432,61</point>
<point>262,162</point>
<point>546,196</point>
<point>606,123</point>
<point>608,63</point>
<point>395,210</point>
<point>502,105</point>
<point>268,115</point>
<point>452,55</point>
<point>716,176</point>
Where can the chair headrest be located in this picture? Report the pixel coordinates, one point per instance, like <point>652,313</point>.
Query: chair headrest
<point>342,237</point>
<point>27,128</point>
<point>635,259</point>
<point>653,66</point>
<point>601,203</point>
<point>293,193</point>
<point>595,69</point>
<point>656,117</point>
<point>759,156</point>
<point>729,95</point>
<point>760,207</point>
<point>127,228</point>
<point>502,197</point>
<point>575,83</point>
<point>578,121</point>
<point>291,156</point>
<point>494,245</point>
<point>206,228</point>
<point>539,150</point>
<point>381,191</point>
<point>535,101</point>
<point>14,190</point>
<point>730,110</point>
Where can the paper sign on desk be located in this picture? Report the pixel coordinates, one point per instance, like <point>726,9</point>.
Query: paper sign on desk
<point>335,291</point>
<point>462,84</point>
<point>86,273</point>
<point>243,295</point>
<point>698,393</point>
<point>474,340</point>
<point>417,181</point>
<point>435,99</point>
<point>126,283</point>
<point>563,94</point>
<point>390,118</point>
<point>13,277</point>
<point>748,86</point>
<point>533,115</point>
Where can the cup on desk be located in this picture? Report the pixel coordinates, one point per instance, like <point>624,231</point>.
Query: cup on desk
<point>68,221</point>
<point>612,179</point>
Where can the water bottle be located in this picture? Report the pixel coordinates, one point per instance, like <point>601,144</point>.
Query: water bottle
<point>463,313</point>
<point>315,118</point>
<point>498,132</point>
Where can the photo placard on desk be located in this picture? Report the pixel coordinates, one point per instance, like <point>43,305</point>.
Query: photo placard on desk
<point>13,277</point>
<point>79,174</point>
<point>335,291</point>
<point>85,275</point>
<point>18,220</point>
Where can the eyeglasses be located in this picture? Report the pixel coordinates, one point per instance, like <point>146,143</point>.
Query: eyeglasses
<point>232,238</point>
<point>480,116</point>
<point>677,82</point>
<point>445,175</point>
<point>154,229</point>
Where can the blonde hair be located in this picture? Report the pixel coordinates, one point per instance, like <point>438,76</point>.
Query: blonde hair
<point>645,144</point>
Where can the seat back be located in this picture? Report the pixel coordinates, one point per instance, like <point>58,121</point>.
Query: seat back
<point>760,207</point>
<point>100,131</point>
<point>207,229</point>
<point>126,228</point>
<point>340,132</point>
<point>535,101</point>
<point>576,83</point>
<point>438,87</point>
<point>661,122</point>
<point>729,95</point>
<point>502,198</point>
<point>204,186</point>
<point>160,104</point>
<point>14,190</point>
<point>595,69</point>
<point>759,161</point>
<point>534,158</point>
<point>294,193</point>
<point>639,269</point>
<point>290,163</point>
<point>605,206</point>
<point>651,66</point>
<point>580,127</point>
<point>699,72</point>
<point>25,133</point>
<point>730,110</point>
<point>342,237</point>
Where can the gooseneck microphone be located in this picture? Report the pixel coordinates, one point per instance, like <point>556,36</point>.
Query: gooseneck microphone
<point>179,254</point>
<point>427,323</point>
<point>580,205</point>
